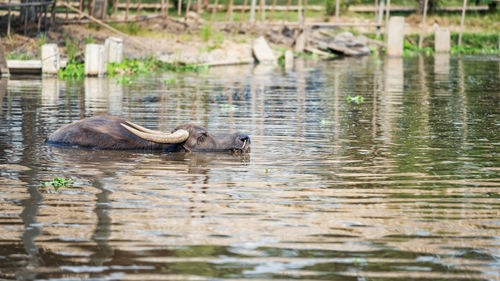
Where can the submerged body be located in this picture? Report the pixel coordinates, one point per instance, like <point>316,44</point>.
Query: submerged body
<point>112,132</point>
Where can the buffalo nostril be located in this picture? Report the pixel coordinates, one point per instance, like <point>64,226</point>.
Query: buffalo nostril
<point>244,138</point>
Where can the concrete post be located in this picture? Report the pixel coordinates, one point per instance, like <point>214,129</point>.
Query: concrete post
<point>95,60</point>
<point>50,59</point>
<point>442,40</point>
<point>300,42</point>
<point>288,60</point>
<point>114,49</point>
<point>395,36</point>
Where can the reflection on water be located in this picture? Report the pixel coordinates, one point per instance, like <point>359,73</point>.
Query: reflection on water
<point>404,185</point>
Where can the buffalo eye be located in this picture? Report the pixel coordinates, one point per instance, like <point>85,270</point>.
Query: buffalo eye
<point>201,138</point>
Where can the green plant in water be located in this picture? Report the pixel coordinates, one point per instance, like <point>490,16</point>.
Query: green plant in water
<point>58,183</point>
<point>73,70</point>
<point>170,81</point>
<point>124,80</point>
<point>355,99</point>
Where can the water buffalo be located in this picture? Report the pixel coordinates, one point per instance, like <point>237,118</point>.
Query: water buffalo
<point>112,132</point>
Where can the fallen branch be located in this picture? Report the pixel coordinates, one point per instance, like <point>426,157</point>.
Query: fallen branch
<point>103,24</point>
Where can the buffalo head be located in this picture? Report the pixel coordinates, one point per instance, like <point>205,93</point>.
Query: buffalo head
<point>111,132</point>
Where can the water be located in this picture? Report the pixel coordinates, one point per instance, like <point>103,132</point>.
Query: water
<point>403,186</point>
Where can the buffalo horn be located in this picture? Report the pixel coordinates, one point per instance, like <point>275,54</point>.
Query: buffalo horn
<point>141,128</point>
<point>159,137</point>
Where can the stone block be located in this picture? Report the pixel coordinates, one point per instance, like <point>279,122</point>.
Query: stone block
<point>50,59</point>
<point>395,36</point>
<point>95,60</point>
<point>114,49</point>
<point>262,51</point>
<point>442,40</point>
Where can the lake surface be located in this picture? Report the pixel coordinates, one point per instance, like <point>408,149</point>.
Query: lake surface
<point>404,185</point>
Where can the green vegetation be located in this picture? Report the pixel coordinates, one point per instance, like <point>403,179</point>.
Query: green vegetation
<point>73,70</point>
<point>170,81</point>
<point>472,43</point>
<point>150,64</point>
<point>58,183</point>
<point>355,99</point>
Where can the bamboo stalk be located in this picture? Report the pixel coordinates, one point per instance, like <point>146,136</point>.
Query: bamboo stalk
<point>422,30</point>
<point>462,20</point>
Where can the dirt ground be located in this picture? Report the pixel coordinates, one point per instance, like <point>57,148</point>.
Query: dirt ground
<point>158,37</point>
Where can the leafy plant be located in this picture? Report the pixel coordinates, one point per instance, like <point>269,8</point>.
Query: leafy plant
<point>73,70</point>
<point>355,99</point>
<point>58,183</point>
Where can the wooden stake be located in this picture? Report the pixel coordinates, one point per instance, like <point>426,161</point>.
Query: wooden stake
<point>8,19</point>
<point>388,11</point>
<point>168,5</point>
<point>462,20</point>
<point>337,8</point>
<point>3,62</point>
<point>300,12</point>
<point>262,11</point>
<point>162,3</point>
<point>305,12</point>
<point>230,11</point>
<point>179,7</point>
<point>243,10</point>
<point>81,9</point>
<point>67,14</point>
<point>126,11</point>
<point>422,30</point>
<point>214,8</point>
<point>285,17</point>
<point>115,12</point>
<point>187,9</point>
<point>272,10</point>
<point>138,10</point>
